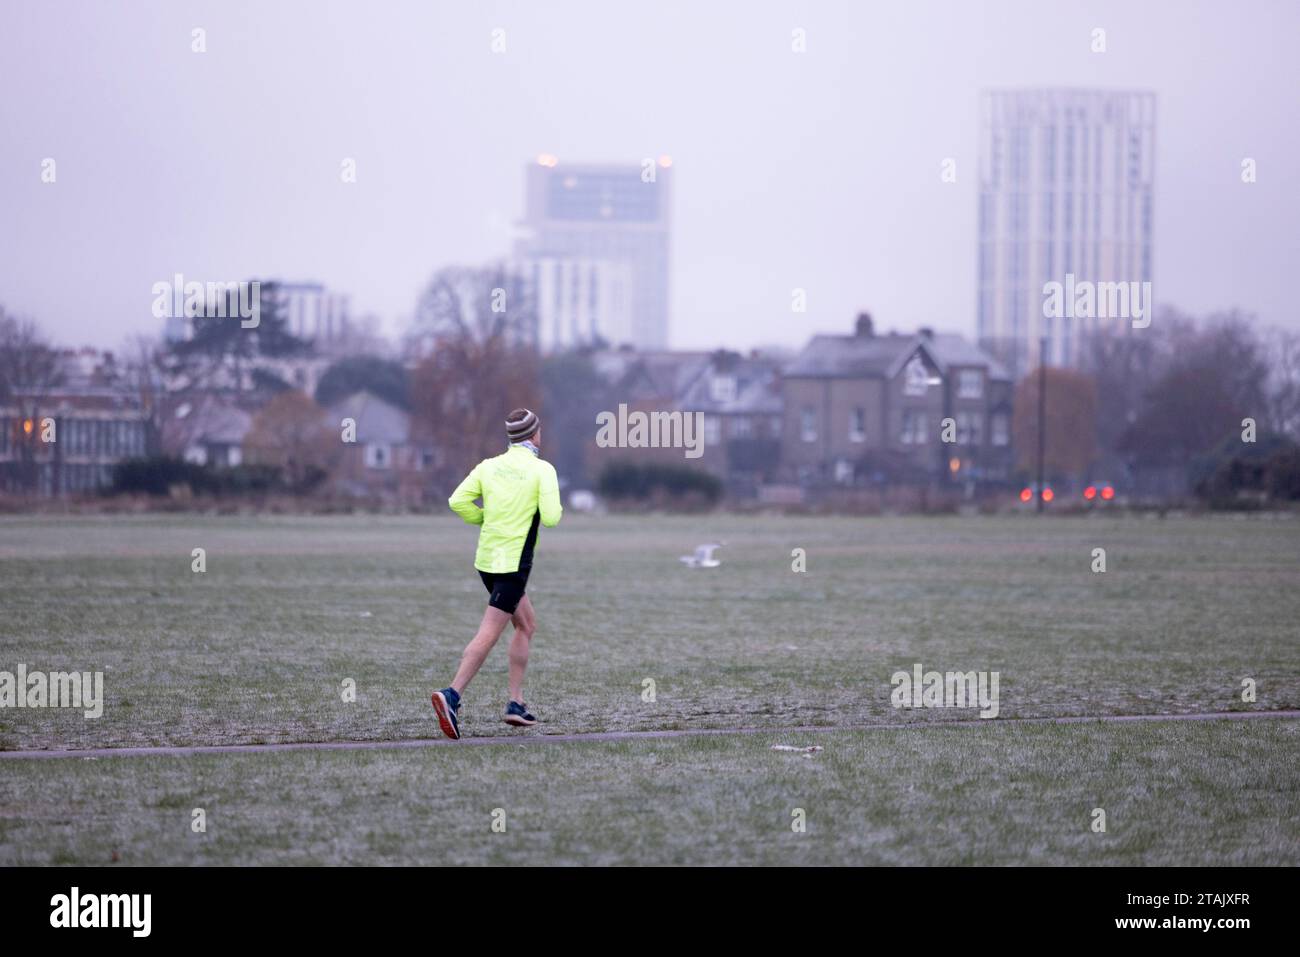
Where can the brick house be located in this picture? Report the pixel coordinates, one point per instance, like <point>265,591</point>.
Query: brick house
<point>869,409</point>
<point>384,462</point>
<point>740,398</point>
<point>206,428</point>
<point>650,381</point>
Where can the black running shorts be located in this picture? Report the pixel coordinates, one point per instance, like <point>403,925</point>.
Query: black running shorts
<point>506,589</point>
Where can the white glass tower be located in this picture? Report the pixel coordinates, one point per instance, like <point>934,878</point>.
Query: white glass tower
<point>1065,180</point>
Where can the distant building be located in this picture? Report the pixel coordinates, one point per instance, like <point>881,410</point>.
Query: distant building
<point>864,410</point>
<point>1065,188</point>
<point>206,429</point>
<point>869,409</point>
<point>578,302</point>
<point>66,439</point>
<point>92,436</point>
<point>615,215</point>
<point>652,381</point>
<point>384,461</point>
<point>740,398</point>
<point>655,377</point>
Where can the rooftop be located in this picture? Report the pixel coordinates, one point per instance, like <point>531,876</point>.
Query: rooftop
<point>869,355</point>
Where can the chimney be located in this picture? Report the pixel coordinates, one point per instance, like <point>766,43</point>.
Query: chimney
<point>927,332</point>
<point>864,328</point>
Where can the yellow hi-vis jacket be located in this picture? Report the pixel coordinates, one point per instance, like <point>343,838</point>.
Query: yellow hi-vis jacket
<point>518,490</point>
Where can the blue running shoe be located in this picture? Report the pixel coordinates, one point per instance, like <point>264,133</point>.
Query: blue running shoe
<point>445,703</point>
<point>517,715</point>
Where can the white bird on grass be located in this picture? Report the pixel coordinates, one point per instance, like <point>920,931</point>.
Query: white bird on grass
<point>703,557</point>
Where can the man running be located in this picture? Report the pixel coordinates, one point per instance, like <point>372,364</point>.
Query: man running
<point>518,490</point>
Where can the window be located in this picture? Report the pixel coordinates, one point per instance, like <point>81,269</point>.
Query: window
<point>970,384</point>
<point>722,388</point>
<point>712,430</point>
<point>776,426</point>
<point>968,428</point>
<point>808,425</point>
<point>742,427</point>
<point>858,425</point>
<point>915,377</point>
<point>913,431</point>
<point>1001,429</point>
<point>378,456</point>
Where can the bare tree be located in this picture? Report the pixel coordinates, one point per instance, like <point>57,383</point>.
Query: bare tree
<point>1123,366</point>
<point>29,365</point>
<point>474,338</point>
<point>291,432</point>
<point>29,369</point>
<point>142,376</point>
<point>1215,376</point>
<point>461,394</point>
<point>473,305</point>
<point>1070,421</point>
<point>1283,348</point>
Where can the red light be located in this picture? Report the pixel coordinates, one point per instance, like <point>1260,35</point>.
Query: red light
<point>1090,492</point>
<point>1108,493</point>
<point>1047,495</point>
<point>1026,495</point>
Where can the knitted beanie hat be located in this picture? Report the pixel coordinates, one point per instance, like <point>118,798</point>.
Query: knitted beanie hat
<point>522,424</point>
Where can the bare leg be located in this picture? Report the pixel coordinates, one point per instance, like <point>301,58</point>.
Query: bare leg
<point>476,652</point>
<point>525,624</point>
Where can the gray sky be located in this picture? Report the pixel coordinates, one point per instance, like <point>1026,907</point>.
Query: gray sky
<point>818,170</point>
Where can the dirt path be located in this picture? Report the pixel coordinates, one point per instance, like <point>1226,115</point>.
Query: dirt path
<point>537,738</point>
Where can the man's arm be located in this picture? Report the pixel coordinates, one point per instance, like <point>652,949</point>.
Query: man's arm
<point>548,497</point>
<point>462,500</point>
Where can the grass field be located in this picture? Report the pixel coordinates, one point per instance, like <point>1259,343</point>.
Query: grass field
<point>256,648</point>
<point>1188,793</point>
